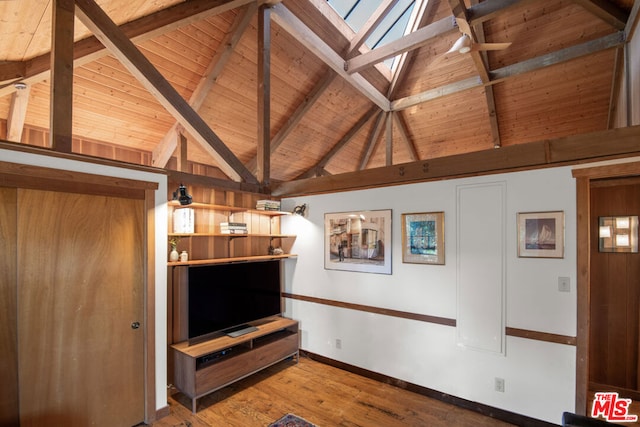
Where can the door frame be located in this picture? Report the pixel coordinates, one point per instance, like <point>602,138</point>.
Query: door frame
<point>44,178</point>
<point>584,176</point>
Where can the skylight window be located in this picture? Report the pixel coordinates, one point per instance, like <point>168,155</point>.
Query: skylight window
<point>398,21</point>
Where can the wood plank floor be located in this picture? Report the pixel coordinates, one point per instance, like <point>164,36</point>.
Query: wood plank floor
<point>321,394</point>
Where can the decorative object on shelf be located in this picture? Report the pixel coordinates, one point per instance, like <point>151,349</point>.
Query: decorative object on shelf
<point>541,234</point>
<point>358,241</point>
<point>174,255</point>
<point>184,256</point>
<point>618,234</point>
<point>183,220</point>
<point>183,197</point>
<point>423,238</point>
<point>275,251</point>
<point>268,205</point>
<point>299,210</point>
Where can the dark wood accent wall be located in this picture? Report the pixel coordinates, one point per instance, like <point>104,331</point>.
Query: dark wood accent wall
<point>9,410</point>
<point>615,291</point>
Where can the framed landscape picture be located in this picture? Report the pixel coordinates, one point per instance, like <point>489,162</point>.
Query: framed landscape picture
<point>541,234</point>
<point>423,238</point>
<point>358,241</point>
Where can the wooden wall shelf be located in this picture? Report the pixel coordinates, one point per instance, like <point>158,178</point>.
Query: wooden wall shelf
<point>207,244</point>
<point>232,259</point>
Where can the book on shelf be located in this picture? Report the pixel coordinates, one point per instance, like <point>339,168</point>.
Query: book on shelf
<point>233,228</point>
<point>183,220</point>
<point>234,231</point>
<point>268,205</point>
<point>233,224</point>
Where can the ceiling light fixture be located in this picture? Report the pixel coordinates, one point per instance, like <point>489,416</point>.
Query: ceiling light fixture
<point>20,85</point>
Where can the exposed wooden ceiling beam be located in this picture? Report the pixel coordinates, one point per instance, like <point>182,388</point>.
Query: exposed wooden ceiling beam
<point>294,26</point>
<point>439,92</point>
<point>389,138</point>
<point>140,67</point>
<point>562,55</point>
<point>263,156</point>
<point>616,83</point>
<point>17,113</point>
<point>329,13</point>
<point>593,46</point>
<point>460,12</point>
<point>372,141</point>
<point>631,26</point>
<point>404,44</point>
<point>61,98</point>
<point>89,49</point>
<point>486,10</point>
<point>621,142</point>
<point>371,24</point>
<point>163,151</point>
<point>12,70</point>
<point>423,18</point>
<point>489,96</point>
<point>295,118</point>
<point>606,11</point>
<point>404,136</point>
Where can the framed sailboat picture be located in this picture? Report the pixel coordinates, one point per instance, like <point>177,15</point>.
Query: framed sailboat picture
<point>423,238</point>
<point>541,234</point>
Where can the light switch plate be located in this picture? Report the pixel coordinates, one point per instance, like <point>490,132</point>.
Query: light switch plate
<point>564,284</point>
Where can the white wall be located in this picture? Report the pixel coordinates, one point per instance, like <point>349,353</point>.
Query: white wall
<point>161,243</point>
<point>539,376</point>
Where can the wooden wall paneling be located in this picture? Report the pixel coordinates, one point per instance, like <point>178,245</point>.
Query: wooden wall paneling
<point>9,408</point>
<point>76,305</point>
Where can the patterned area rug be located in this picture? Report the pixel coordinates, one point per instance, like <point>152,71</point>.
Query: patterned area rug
<point>291,420</point>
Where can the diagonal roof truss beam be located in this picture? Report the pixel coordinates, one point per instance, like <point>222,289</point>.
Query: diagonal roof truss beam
<point>139,66</point>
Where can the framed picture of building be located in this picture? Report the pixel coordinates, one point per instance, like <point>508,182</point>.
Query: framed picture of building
<point>541,234</point>
<point>423,238</point>
<point>358,241</point>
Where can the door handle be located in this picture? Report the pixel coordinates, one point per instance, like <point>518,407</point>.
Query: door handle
<point>135,325</point>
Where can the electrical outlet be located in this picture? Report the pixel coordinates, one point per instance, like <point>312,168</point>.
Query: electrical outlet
<point>564,284</point>
<point>338,343</point>
<point>499,384</point>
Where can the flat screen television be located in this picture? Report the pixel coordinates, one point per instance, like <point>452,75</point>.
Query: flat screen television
<point>224,298</point>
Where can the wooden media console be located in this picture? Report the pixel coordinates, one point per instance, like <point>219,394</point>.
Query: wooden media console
<point>202,368</point>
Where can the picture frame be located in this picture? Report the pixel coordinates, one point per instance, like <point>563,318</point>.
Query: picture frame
<point>541,234</point>
<point>358,241</point>
<point>618,234</point>
<point>423,238</point>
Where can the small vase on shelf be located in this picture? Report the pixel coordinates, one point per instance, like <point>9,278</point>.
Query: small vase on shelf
<point>174,256</point>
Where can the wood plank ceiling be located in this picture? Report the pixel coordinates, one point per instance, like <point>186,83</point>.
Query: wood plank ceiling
<point>332,109</point>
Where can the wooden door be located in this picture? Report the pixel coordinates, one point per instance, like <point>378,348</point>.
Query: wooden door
<point>614,333</point>
<point>80,288</point>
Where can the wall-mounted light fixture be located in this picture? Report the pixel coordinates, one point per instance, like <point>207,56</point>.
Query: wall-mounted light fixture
<point>618,233</point>
<point>299,210</point>
<point>183,197</point>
